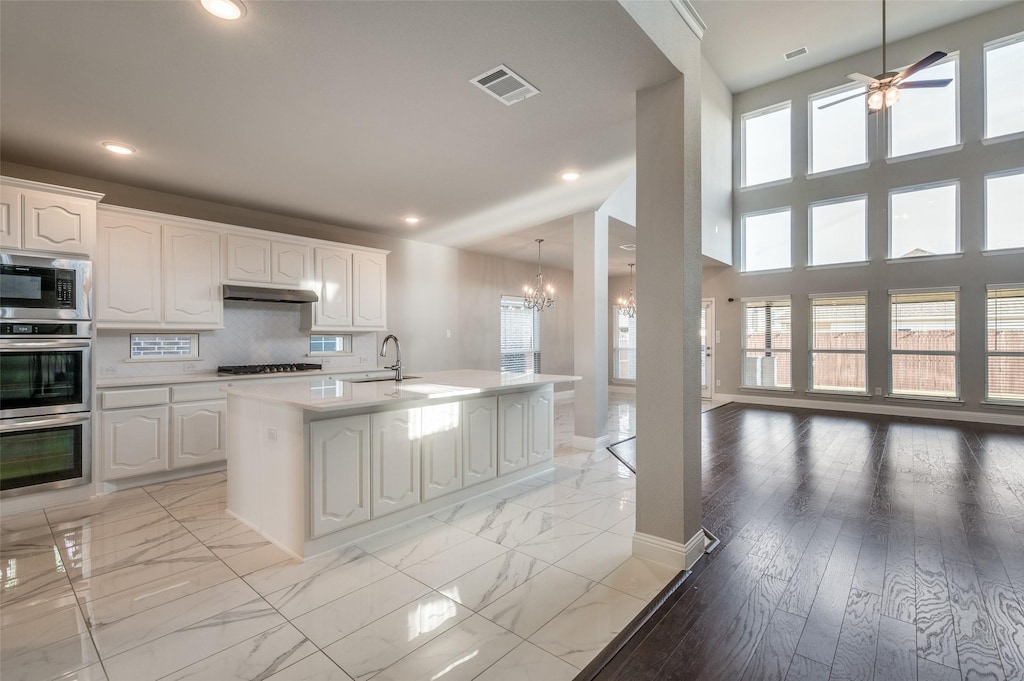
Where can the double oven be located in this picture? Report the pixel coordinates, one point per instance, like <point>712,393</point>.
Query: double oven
<point>45,373</point>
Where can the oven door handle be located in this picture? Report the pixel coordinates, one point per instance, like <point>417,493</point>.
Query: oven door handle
<point>13,425</point>
<point>18,345</point>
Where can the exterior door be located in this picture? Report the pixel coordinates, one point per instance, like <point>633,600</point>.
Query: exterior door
<point>707,348</point>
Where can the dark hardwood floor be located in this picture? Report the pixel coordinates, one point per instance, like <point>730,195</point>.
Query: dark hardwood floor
<point>853,547</point>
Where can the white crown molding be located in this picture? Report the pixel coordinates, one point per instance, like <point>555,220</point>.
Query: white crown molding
<point>690,16</point>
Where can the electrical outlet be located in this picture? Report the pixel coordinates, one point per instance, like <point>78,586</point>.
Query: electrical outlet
<point>327,362</point>
<point>363,359</point>
<point>272,434</point>
<point>718,384</point>
<point>878,391</point>
<point>108,370</point>
<point>190,367</point>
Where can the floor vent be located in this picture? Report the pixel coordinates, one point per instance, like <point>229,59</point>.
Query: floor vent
<point>799,52</point>
<point>504,85</point>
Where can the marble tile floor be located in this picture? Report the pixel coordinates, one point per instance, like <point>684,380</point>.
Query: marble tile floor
<point>527,583</point>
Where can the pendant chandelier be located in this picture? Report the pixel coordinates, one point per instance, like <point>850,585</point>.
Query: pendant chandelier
<point>628,304</point>
<point>540,295</point>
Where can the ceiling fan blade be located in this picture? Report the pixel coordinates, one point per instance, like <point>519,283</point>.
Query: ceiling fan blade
<point>942,82</point>
<point>840,101</point>
<point>861,78</point>
<point>923,64</point>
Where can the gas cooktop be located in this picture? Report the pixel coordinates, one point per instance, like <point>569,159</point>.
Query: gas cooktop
<point>265,369</point>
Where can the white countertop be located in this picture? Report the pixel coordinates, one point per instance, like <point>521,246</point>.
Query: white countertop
<point>213,377</point>
<point>331,393</point>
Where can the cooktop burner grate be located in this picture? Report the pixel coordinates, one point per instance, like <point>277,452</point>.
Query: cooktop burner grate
<point>242,369</point>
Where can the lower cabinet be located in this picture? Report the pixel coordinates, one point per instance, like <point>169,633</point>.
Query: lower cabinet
<point>513,434</point>
<point>395,461</point>
<point>479,440</point>
<point>441,450</point>
<point>134,441</point>
<point>541,407</point>
<point>198,433</point>
<point>339,473</point>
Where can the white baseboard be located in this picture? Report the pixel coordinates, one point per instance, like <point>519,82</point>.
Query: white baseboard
<point>668,552</point>
<point>565,395</point>
<point>873,408</point>
<point>581,442</point>
<point>622,388</point>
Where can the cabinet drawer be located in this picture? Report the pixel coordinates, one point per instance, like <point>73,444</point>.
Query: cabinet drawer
<point>195,393</point>
<point>134,398</point>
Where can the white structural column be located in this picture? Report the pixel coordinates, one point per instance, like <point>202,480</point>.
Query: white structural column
<point>668,211</point>
<point>590,327</point>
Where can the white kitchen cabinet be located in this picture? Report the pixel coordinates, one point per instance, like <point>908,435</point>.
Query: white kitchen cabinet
<point>540,405</point>
<point>339,475</point>
<point>513,432</point>
<point>42,217</point>
<point>198,433</point>
<point>479,419</point>
<point>369,282</point>
<point>289,264</point>
<point>333,274</point>
<point>247,258</point>
<point>191,264</point>
<point>133,441</point>
<point>10,218</point>
<point>128,270</point>
<point>395,461</point>
<point>441,449</point>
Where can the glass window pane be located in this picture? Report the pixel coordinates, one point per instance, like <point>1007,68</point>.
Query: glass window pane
<point>923,222</point>
<point>766,241</point>
<point>1004,89</point>
<point>1005,320</point>
<point>924,322</point>
<point>839,372</point>
<point>839,323</point>
<point>1004,210</point>
<point>838,232</point>
<point>767,369</point>
<point>766,147</point>
<point>160,346</point>
<point>838,133</point>
<point>1006,378</point>
<point>926,118</point>
<point>924,375</point>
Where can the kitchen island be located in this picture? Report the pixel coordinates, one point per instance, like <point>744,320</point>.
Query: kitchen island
<point>316,463</point>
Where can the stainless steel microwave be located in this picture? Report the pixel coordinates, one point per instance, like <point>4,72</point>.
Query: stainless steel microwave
<point>45,288</point>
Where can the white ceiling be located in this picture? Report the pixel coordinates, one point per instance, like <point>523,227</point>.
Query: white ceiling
<point>358,113</point>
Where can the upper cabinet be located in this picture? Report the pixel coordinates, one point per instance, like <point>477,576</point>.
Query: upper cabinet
<point>47,218</point>
<point>352,289</point>
<point>192,293</point>
<point>255,260</point>
<point>369,283</point>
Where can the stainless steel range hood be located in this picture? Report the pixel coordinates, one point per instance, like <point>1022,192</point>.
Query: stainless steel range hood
<point>268,295</point>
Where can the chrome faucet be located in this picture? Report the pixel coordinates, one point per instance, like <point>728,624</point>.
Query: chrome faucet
<point>397,366</point>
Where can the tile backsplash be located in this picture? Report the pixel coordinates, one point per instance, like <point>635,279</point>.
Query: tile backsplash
<point>253,333</point>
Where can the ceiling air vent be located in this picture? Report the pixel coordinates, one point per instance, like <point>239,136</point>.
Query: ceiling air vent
<point>799,52</point>
<point>504,85</point>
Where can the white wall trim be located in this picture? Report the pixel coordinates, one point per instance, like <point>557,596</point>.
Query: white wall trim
<point>690,16</point>
<point>581,442</point>
<point>565,395</point>
<point>622,388</point>
<point>874,408</point>
<point>668,552</point>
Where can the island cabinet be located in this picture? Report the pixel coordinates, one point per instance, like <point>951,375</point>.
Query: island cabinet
<point>339,473</point>
<point>479,425</point>
<point>440,450</point>
<point>395,454</point>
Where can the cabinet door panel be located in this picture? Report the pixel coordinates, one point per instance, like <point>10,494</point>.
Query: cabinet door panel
<point>134,441</point>
<point>198,433</point>
<point>441,447</point>
<point>10,218</point>
<point>370,290</point>
<point>513,424</point>
<point>542,428</point>
<point>339,473</point>
<point>479,440</point>
<point>248,259</point>
<point>128,270</point>
<point>334,287</point>
<point>58,223</point>
<point>290,264</point>
<point>395,452</point>
<point>192,277</point>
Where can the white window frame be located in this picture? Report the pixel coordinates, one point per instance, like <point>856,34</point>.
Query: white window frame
<point>518,300</point>
<point>788,104</point>
<point>743,239</point>
<point>743,341</point>
<point>1003,173</point>
<point>998,353</point>
<point>955,290</point>
<point>810,230</point>
<point>191,357</point>
<point>956,219</point>
<point>995,45</point>
<point>345,342</point>
<point>957,133</point>
<point>616,347</point>
<point>811,350</point>
<point>811,100</point>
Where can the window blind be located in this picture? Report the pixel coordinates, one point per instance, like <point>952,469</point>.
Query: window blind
<point>839,344</point>
<point>923,347</point>
<point>1005,345</point>
<point>520,336</point>
<point>767,343</point>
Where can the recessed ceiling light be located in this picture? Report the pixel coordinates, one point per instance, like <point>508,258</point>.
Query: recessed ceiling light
<point>119,148</point>
<point>411,219</point>
<point>224,9</point>
<point>570,176</point>
<point>628,247</point>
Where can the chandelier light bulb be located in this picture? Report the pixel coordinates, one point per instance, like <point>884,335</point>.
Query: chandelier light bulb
<point>628,304</point>
<point>542,294</point>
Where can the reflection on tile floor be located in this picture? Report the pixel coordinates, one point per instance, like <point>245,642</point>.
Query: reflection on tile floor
<point>526,583</point>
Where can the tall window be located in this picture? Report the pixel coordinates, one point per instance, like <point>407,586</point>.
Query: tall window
<point>926,118</point>
<point>624,346</point>
<point>1005,344</point>
<point>839,343</point>
<point>838,231</point>
<point>766,239</point>
<point>838,136</point>
<point>767,343</point>
<point>1004,86</point>
<point>520,337</point>
<point>924,221</point>
<point>1004,210</point>
<point>766,148</point>
<point>923,345</point>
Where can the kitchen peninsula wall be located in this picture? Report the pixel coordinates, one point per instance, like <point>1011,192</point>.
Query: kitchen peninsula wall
<point>431,289</point>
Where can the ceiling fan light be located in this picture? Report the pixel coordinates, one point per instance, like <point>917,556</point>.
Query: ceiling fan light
<point>876,100</point>
<point>892,95</point>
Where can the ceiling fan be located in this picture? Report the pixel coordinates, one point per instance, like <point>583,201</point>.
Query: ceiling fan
<point>884,89</point>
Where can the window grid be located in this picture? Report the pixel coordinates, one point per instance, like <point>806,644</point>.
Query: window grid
<point>838,231</point>
<point>520,336</point>
<point>766,352</point>
<point>623,346</point>
<point>924,344</point>
<point>1004,357</point>
<point>924,220</point>
<point>319,345</point>
<point>837,135</point>
<point>765,149</point>
<point>838,347</point>
<point>1004,87</point>
<point>1004,210</point>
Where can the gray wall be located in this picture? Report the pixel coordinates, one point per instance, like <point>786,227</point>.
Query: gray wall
<point>431,289</point>
<point>715,166</point>
<point>972,271</point>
